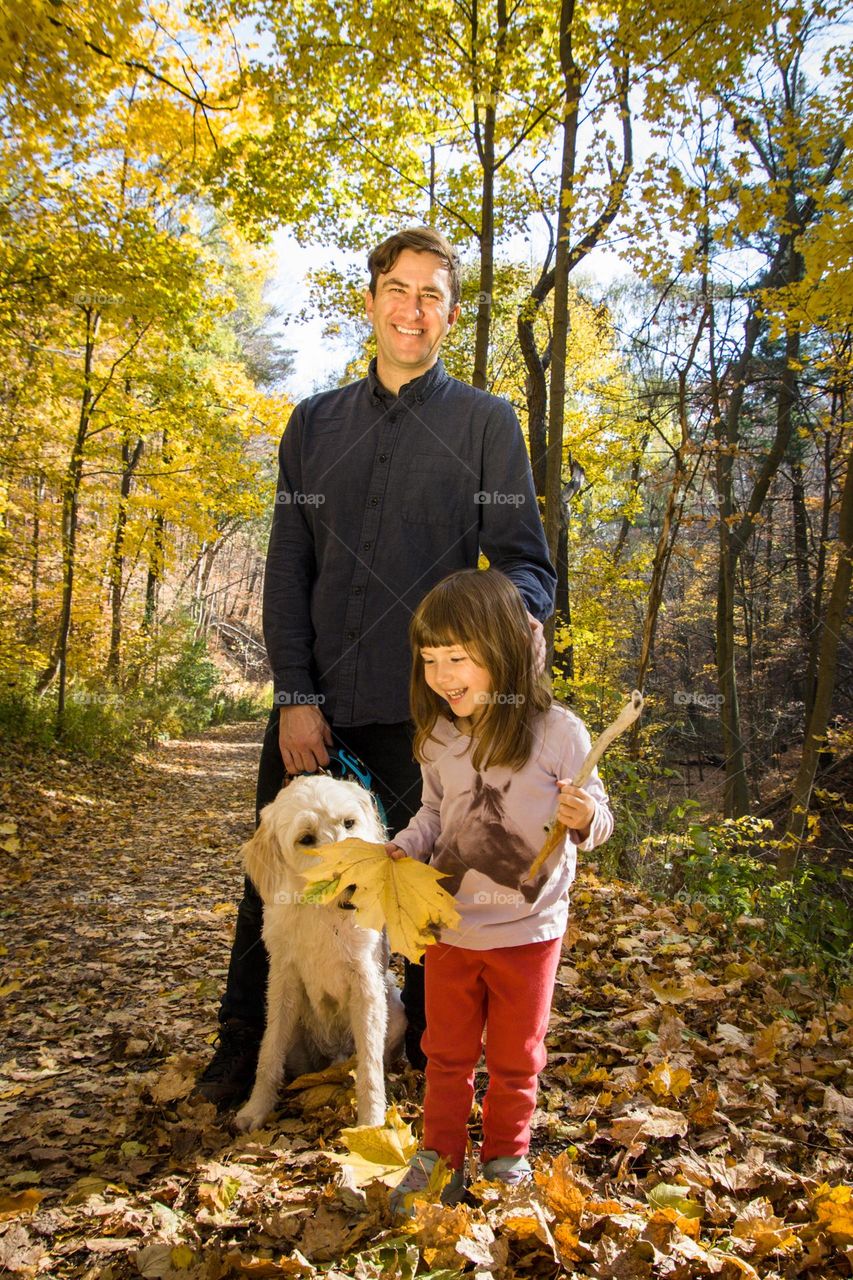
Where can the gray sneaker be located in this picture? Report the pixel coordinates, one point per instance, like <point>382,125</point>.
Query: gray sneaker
<point>421,1168</point>
<point>511,1170</point>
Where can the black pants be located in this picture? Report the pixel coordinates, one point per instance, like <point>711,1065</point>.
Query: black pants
<point>386,750</point>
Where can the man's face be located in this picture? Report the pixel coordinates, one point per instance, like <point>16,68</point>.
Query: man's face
<point>411,316</point>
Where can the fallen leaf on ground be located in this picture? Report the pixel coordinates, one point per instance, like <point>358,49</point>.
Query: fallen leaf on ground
<point>378,1151</point>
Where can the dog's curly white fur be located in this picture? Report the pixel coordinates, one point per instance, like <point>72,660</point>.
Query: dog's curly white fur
<point>329,986</point>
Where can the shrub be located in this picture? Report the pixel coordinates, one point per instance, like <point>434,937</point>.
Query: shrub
<point>730,866</point>
<point>170,690</point>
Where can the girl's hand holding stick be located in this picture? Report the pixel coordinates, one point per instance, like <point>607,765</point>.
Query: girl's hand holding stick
<point>556,835</point>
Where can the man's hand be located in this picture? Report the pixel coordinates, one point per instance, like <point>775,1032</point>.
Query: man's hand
<point>303,736</point>
<point>576,809</point>
<point>537,632</point>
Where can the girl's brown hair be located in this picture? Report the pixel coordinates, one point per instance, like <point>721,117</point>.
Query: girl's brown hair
<point>482,611</point>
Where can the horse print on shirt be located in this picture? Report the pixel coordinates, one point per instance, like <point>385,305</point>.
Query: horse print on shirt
<point>484,842</point>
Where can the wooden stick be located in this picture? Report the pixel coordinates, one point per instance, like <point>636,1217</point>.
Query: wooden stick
<point>623,721</point>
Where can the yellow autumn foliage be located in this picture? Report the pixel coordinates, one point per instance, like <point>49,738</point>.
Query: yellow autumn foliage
<point>403,896</point>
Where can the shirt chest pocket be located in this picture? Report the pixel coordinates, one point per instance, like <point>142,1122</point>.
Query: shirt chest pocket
<point>439,489</point>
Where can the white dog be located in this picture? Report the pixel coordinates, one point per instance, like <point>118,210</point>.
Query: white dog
<point>329,986</point>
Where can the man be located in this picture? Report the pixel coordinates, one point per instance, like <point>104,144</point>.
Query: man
<point>385,486</point>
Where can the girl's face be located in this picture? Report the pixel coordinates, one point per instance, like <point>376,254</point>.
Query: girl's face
<point>452,673</point>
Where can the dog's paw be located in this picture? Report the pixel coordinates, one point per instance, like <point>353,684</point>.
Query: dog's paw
<point>249,1118</point>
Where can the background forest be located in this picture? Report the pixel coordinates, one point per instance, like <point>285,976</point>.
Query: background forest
<point>688,413</point>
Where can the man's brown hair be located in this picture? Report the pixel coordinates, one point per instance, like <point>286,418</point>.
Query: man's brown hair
<point>421,240</point>
<point>481,610</point>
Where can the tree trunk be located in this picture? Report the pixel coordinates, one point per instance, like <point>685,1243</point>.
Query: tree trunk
<point>820,567</point>
<point>560,330</point>
<point>836,611</point>
<point>536,385</point>
<point>70,512</point>
<point>485,139</point>
<point>736,791</point>
<point>35,567</point>
<point>671,515</point>
<point>130,462</point>
<point>156,558</point>
<point>536,394</point>
<point>805,601</point>
<point>626,526</point>
<point>480,376</point>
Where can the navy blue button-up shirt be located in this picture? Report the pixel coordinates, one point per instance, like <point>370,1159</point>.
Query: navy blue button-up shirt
<point>379,497</point>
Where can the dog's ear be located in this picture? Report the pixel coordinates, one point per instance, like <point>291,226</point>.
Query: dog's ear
<point>262,857</point>
<point>371,813</point>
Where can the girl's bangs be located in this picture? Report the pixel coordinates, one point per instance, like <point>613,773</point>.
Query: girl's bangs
<point>438,625</point>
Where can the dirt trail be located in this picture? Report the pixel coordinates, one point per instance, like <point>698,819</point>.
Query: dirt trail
<point>116,928</point>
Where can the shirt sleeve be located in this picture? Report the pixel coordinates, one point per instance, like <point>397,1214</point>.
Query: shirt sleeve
<point>577,745</point>
<point>511,532</point>
<point>419,837</point>
<point>289,574</point>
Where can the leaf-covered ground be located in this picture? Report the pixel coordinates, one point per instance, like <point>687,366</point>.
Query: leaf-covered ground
<point>695,1115</point>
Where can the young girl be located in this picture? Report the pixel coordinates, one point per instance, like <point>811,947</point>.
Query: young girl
<point>495,755</point>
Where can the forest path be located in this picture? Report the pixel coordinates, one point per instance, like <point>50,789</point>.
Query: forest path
<point>675,1061</point>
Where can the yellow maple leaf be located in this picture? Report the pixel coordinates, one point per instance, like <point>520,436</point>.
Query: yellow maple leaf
<point>438,1230</point>
<point>12,1204</point>
<point>217,1196</point>
<point>402,895</point>
<point>332,1087</point>
<point>833,1209</point>
<point>378,1152</point>
<point>325,1095</point>
<point>568,1243</point>
<point>564,1196</point>
<point>669,1081</point>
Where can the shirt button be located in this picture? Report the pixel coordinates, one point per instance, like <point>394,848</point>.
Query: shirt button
<point>365,546</point>
<point>357,591</point>
<point>383,457</point>
<point>374,502</point>
<point>352,635</point>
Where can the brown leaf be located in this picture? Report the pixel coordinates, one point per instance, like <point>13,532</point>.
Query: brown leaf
<point>841,1106</point>
<point>703,1111</point>
<point>18,1251</point>
<point>689,988</point>
<point>758,1227</point>
<point>248,1264</point>
<point>648,1122</point>
<point>771,1039</point>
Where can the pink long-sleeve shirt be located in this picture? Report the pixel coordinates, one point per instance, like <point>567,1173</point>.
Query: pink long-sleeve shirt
<point>485,829</point>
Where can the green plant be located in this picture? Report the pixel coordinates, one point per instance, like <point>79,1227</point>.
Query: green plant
<point>246,703</point>
<point>730,866</point>
<point>170,692</point>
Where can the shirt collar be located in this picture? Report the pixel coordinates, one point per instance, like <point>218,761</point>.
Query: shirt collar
<point>418,389</point>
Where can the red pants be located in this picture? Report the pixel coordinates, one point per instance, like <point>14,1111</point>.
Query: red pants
<point>512,988</point>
